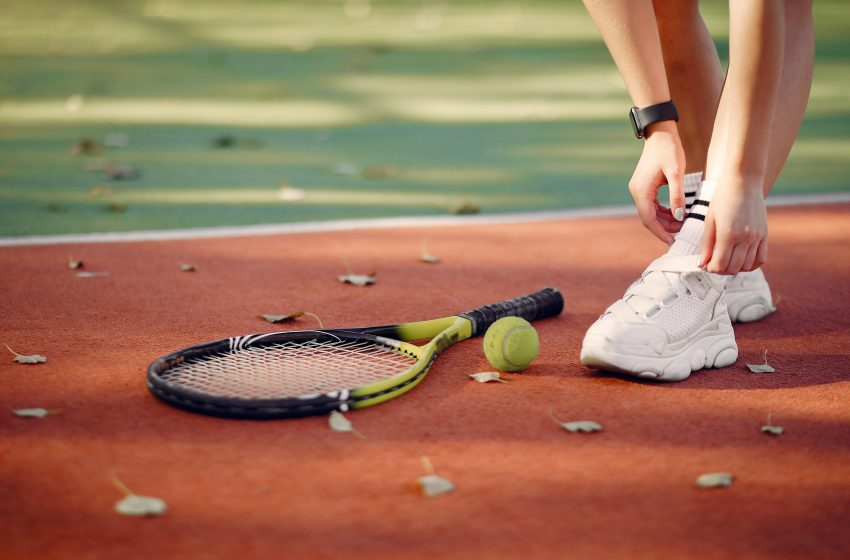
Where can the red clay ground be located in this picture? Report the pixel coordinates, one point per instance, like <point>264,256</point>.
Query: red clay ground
<point>526,489</point>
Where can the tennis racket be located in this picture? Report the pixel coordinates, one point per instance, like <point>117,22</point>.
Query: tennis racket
<point>303,373</point>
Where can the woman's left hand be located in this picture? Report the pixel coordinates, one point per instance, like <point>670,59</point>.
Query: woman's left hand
<point>735,237</point>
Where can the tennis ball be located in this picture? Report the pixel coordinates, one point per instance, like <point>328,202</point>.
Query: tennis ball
<point>511,344</point>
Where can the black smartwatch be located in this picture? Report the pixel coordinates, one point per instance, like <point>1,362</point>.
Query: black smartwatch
<point>642,118</point>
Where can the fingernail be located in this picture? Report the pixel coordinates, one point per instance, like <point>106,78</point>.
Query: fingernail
<point>679,214</point>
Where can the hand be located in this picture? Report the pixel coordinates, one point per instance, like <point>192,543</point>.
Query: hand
<point>662,161</point>
<point>735,236</point>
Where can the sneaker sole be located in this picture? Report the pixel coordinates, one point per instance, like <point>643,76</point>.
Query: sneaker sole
<point>705,351</point>
<point>747,308</point>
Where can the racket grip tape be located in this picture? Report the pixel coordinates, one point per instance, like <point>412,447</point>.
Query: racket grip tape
<point>547,302</point>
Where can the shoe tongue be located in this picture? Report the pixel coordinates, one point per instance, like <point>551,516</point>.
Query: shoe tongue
<point>661,281</point>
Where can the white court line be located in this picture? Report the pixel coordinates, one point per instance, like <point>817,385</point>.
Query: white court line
<point>378,223</point>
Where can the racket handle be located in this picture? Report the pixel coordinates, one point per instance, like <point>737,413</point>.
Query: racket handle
<point>547,302</point>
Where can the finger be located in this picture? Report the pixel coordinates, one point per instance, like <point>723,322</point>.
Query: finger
<point>720,256</point>
<point>750,259</point>
<point>736,259</point>
<point>670,224</point>
<point>646,210</point>
<point>676,186</point>
<point>708,239</point>
<point>761,254</point>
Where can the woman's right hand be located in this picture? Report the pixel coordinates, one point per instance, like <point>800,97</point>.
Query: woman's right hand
<point>662,162</point>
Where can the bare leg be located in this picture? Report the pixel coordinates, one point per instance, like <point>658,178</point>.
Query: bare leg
<point>694,74</point>
<point>792,97</point>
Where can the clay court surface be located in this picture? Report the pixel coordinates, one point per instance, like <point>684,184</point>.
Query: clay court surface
<point>525,488</point>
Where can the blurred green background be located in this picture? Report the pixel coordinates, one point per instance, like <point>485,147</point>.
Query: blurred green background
<point>278,111</point>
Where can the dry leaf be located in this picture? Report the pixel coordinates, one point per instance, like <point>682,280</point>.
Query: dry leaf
<point>425,256</point>
<point>75,265</point>
<point>271,318</point>
<point>340,423</point>
<point>356,279</point>
<point>432,484</point>
<point>91,274</point>
<point>584,426</point>
<point>140,505</point>
<point>85,147</point>
<point>21,359</point>
<point>714,480</point>
<point>186,267</point>
<point>376,172</point>
<point>761,368</point>
<point>486,376</point>
<point>465,207</point>
<point>31,412</point>
<point>135,505</point>
<point>121,172</point>
<point>770,428</point>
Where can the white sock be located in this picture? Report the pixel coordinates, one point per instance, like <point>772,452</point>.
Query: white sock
<point>692,181</point>
<point>689,238</point>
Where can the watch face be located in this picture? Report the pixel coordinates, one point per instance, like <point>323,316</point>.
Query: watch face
<point>636,126</point>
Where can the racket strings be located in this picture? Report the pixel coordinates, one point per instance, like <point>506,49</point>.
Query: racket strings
<point>290,369</point>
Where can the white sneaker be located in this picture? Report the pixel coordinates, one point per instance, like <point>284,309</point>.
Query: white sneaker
<point>669,323</point>
<point>748,297</point>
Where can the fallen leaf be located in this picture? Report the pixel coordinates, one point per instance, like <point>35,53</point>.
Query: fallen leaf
<point>432,484</point>
<point>340,423</point>
<point>486,376</point>
<point>133,504</point>
<point>223,141</point>
<point>85,147</point>
<point>75,265</point>
<point>31,412</point>
<point>465,207</point>
<point>186,267</point>
<point>761,368</point>
<point>714,480</point>
<point>356,279</point>
<point>116,207</point>
<point>121,172</point>
<point>376,172</point>
<point>584,426</point>
<point>769,428</point>
<point>57,208</point>
<point>91,274</point>
<point>140,505</point>
<point>272,318</point>
<point>21,359</point>
<point>425,256</point>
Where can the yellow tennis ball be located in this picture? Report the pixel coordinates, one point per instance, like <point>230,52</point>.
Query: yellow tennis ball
<point>511,344</point>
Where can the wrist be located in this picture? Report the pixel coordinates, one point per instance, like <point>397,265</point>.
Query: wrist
<point>669,127</point>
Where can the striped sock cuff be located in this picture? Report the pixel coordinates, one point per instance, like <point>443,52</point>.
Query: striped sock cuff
<point>698,210</point>
<point>692,183</point>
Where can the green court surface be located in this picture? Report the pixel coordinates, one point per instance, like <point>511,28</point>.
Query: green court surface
<point>336,109</point>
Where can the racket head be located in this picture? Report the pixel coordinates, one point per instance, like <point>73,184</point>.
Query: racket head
<point>290,374</point>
